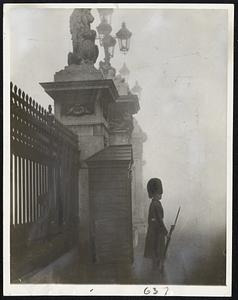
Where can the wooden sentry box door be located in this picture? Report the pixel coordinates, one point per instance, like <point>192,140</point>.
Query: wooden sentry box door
<point>111,216</point>
<point>110,204</point>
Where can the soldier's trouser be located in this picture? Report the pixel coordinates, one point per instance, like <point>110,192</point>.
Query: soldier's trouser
<point>158,254</point>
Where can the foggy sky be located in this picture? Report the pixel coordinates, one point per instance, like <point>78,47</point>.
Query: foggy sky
<point>179,58</point>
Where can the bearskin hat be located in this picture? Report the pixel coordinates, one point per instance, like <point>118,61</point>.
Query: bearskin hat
<point>154,186</point>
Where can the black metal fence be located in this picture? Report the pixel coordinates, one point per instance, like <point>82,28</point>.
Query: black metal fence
<point>44,171</point>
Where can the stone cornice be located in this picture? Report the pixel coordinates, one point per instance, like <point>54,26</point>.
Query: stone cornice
<point>52,88</point>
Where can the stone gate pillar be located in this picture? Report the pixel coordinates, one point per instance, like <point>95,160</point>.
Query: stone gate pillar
<point>81,98</point>
<point>123,130</point>
<point>140,205</point>
<point>82,106</point>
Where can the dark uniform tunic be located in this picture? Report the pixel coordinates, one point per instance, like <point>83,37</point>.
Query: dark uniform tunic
<point>156,232</point>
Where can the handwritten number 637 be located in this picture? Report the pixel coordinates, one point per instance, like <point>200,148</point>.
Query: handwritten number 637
<point>154,291</point>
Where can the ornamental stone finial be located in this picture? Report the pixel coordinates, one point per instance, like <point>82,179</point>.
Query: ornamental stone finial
<point>124,71</point>
<point>83,38</point>
<point>136,89</point>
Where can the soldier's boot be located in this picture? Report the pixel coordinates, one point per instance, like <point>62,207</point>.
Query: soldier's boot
<point>161,266</point>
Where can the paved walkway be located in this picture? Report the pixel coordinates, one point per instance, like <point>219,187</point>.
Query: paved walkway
<point>187,263</point>
<point>138,273</point>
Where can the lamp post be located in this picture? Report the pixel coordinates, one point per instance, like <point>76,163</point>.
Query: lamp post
<point>108,42</point>
<point>103,29</point>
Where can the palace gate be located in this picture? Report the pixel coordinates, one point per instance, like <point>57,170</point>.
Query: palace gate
<point>44,186</point>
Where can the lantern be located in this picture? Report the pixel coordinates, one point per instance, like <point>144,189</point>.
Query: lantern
<point>105,14</point>
<point>109,43</point>
<point>103,29</point>
<point>123,36</point>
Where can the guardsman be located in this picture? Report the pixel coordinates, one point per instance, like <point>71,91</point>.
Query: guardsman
<point>156,232</point>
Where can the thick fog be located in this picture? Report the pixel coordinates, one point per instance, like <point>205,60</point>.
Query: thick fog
<point>179,58</point>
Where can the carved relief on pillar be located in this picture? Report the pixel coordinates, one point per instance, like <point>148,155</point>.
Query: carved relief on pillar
<point>80,105</point>
<point>77,109</point>
<point>121,120</point>
<point>121,117</point>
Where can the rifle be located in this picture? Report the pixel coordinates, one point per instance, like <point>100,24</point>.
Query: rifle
<point>170,233</point>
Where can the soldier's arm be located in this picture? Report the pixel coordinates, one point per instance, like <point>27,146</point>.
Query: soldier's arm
<point>159,218</point>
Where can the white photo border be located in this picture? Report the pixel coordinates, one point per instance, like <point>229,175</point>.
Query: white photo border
<point>111,289</point>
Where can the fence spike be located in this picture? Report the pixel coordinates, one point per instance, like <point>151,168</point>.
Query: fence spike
<point>11,85</point>
<point>49,109</point>
<point>23,95</point>
<point>27,98</point>
<point>15,89</point>
<point>19,92</point>
<point>36,105</point>
<point>30,101</point>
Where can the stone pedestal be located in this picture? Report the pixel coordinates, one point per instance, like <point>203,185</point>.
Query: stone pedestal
<point>78,73</point>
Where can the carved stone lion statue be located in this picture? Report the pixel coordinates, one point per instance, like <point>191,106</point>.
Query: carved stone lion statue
<point>83,38</point>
